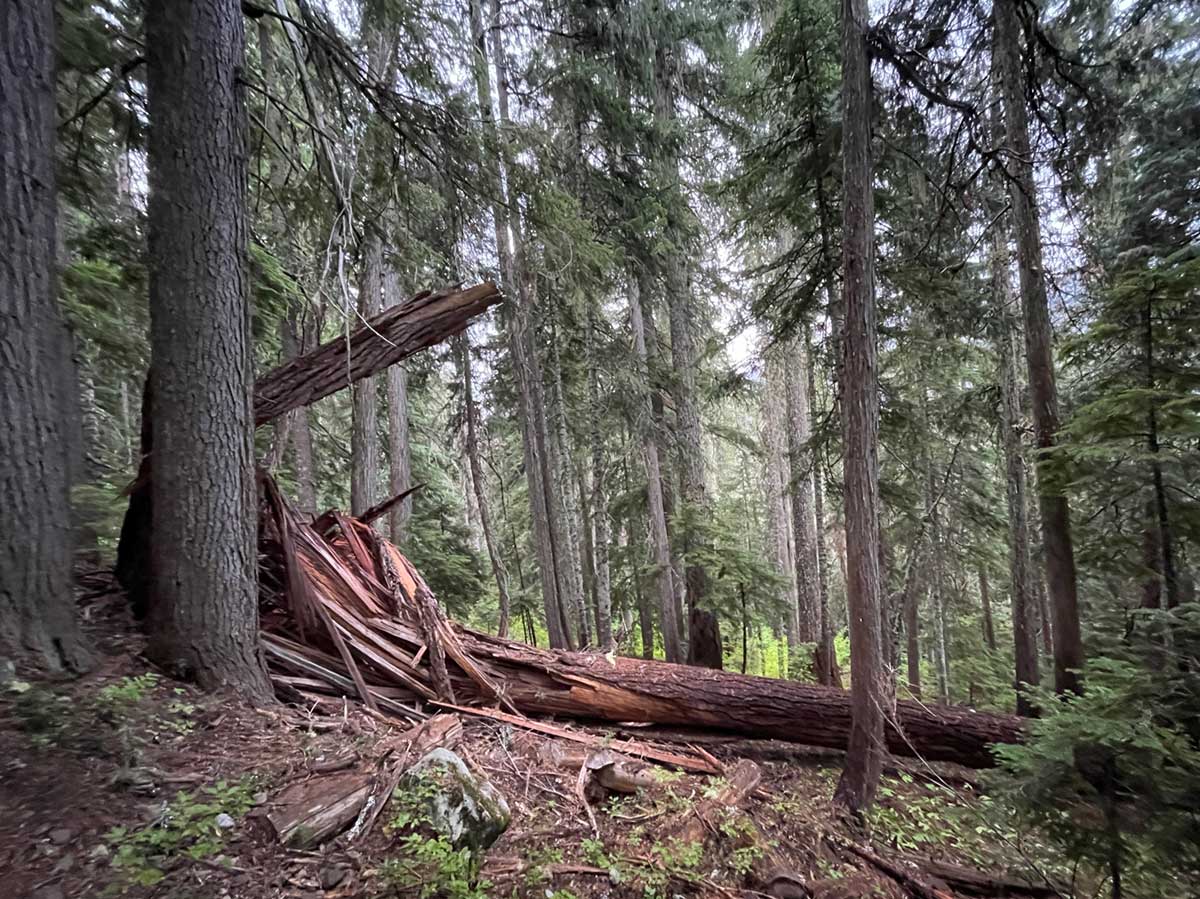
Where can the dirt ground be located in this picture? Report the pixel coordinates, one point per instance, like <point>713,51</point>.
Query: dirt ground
<point>127,783</point>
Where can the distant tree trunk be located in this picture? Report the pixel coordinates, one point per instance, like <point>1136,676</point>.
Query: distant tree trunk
<point>937,581</point>
<point>1165,562</point>
<point>1151,559</point>
<point>1023,600</point>
<point>682,316</point>
<point>601,532</point>
<point>660,540</point>
<point>519,328</point>
<point>1056,513</point>
<point>912,625</point>
<point>804,523</point>
<point>204,619</point>
<point>776,485</point>
<point>40,431</point>
<point>827,668</point>
<point>985,602</point>
<point>299,431</point>
<point>364,433</point>
<point>399,448</point>
<point>567,549</point>
<point>860,407</point>
<point>471,413</point>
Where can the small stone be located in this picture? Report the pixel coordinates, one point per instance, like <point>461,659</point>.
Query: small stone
<point>331,876</point>
<point>49,891</point>
<point>99,853</point>
<point>60,836</point>
<point>225,822</point>
<point>65,864</point>
<point>260,798</point>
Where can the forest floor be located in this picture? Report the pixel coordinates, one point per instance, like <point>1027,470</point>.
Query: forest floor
<point>126,783</point>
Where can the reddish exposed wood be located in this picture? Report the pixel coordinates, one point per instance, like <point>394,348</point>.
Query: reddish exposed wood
<point>425,320</point>
<point>708,814</point>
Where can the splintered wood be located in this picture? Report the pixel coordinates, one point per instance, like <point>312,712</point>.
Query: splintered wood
<point>345,613</point>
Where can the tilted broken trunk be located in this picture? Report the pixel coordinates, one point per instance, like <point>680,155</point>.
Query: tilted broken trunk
<point>398,332</point>
<point>345,612</point>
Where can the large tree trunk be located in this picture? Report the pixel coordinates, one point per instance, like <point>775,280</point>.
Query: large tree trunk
<point>399,448</point>
<point>827,667</point>
<point>204,621</point>
<point>860,413</point>
<point>914,583</point>
<point>1056,513</point>
<point>471,413</point>
<point>656,513</point>
<point>804,522</point>
<point>37,607</point>
<point>568,500</point>
<point>592,687</point>
<point>364,432</point>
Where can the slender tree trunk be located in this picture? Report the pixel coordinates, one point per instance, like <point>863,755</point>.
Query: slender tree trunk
<point>519,327</point>
<point>471,410</point>
<point>364,434</point>
<point>776,484</point>
<point>399,448</point>
<point>37,605</point>
<point>661,541</point>
<point>860,405</point>
<point>568,548</point>
<point>804,523</point>
<point>827,668</point>
<point>1056,513</point>
<point>300,431</point>
<point>601,531</point>
<point>985,602</point>
<point>1165,562</point>
<point>1011,418</point>
<point>913,588</point>
<point>682,316</point>
<point>204,620</point>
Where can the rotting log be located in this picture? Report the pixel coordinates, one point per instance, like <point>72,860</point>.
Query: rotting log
<point>577,685</point>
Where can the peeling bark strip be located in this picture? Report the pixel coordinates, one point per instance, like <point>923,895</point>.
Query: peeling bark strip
<point>424,321</point>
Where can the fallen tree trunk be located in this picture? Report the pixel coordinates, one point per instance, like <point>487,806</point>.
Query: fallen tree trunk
<point>539,682</point>
<point>351,580</point>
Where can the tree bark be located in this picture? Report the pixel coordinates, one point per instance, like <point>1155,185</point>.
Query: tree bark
<point>204,621</point>
<point>776,487</point>
<point>601,531</point>
<point>913,588</point>
<point>544,512</point>
<point>682,317</point>
<point>667,619</point>
<point>300,431</point>
<point>471,410</point>
<point>364,432</point>
<point>399,447</point>
<point>985,603</point>
<point>860,408</point>
<point>804,523</point>
<point>1056,514</point>
<point>827,667</point>
<point>37,605</point>
<point>568,499</point>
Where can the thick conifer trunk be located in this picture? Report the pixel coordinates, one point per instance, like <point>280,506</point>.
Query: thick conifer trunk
<point>776,489</point>
<point>601,531</point>
<point>1056,514</point>
<point>860,410</point>
<point>204,621</point>
<point>804,523</point>
<point>37,606</point>
<point>399,447</point>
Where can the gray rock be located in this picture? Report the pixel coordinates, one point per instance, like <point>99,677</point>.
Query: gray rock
<point>60,836</point>
<point>331,876</point>
<point>464,808</point>
<point>49,891</point>
<point>224,821</point>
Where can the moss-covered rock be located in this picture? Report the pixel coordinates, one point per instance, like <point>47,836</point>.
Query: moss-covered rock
<point>464,808</point>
